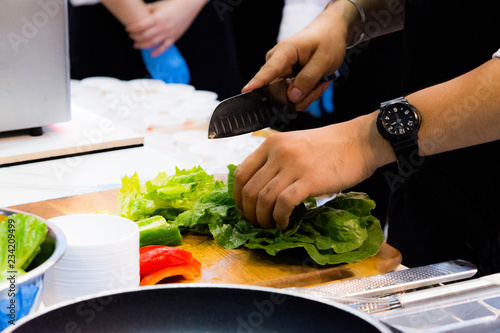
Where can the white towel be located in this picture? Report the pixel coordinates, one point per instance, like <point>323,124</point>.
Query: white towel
<point>297,14</point>
<point>83,2</point>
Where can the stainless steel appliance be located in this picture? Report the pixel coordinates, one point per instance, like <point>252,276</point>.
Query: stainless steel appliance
<point>34,64</point>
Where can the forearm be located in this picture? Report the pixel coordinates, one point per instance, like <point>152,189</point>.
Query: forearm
<point>196,5</point>
<point>373,18</point>
<point>127,11</point>
<point>459,113</point>
<point>462,112</point>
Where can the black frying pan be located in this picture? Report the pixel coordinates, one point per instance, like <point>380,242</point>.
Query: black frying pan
<point>200,308</point>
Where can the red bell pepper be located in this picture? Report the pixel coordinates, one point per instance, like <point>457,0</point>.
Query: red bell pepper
<point>188,271</point>
<point>154,258</point>
<point>159,262</point>
<point>148,248</point>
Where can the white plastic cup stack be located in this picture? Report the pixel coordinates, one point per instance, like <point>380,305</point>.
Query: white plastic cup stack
<point>102,255</point>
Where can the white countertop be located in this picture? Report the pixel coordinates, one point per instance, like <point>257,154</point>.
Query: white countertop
<point>171,120</point>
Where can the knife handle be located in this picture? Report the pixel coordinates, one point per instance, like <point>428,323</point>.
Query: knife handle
<point>340,76</point>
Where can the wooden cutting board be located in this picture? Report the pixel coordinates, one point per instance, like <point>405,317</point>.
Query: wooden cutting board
<point>239,266</point>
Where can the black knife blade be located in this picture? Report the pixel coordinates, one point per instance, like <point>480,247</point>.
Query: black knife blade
<point>268,106</point>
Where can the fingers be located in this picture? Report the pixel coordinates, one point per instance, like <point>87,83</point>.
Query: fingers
<point>148,33</point>
<point>308,78</point>
<point>254,194</point>
<point>287,200</point>
<point>147,38</point>
<point>277,199</point>
<point>146,44</point>
<point>280,61</point>
<point>140,26</point>
<point>286,59</point>
<point>161,48</point>
<point>313,96</point>
<point>266,191</point>
<point>245,171</point>
<point>150,39</point>
<point>270,196</point>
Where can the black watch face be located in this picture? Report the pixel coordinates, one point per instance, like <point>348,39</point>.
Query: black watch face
<point>398,119</point>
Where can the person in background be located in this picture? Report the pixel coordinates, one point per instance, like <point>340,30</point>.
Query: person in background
<point>158,24</point>
<point>105,39</point>
<point>154,29</point>
<point>443,196</point>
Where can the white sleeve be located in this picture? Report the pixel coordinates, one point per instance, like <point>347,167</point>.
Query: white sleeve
<point>297,14</point>
<point>497,54</point>
<point>83,2</point>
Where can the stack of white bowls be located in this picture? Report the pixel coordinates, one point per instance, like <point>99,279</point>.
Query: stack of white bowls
<point>102,256</point>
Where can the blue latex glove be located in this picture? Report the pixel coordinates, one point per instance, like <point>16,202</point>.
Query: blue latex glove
<point>169,66</point>
<point>323,104</point>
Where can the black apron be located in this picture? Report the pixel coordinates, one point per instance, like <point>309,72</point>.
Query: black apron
<point>449,209</point>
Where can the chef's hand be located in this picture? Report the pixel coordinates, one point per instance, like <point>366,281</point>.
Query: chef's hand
<point>292,166</point>
<point>317,51</point>
<point>168,21</point>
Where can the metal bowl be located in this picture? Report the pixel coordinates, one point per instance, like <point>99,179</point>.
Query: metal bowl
<point>24,296</point>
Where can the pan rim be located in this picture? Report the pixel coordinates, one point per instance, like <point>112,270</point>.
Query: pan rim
<point>377,324</point>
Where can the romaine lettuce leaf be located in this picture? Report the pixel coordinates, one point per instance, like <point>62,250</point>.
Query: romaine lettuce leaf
<point>340,231</point>
<point>28,232</point>
<point>176,193</point>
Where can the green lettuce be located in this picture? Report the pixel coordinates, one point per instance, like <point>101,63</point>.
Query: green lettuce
<point>20,238</point>
<point>340,231</point>
<point>164,195</point>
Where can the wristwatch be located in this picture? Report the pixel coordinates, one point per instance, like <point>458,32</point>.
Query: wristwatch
<point>398,122</point>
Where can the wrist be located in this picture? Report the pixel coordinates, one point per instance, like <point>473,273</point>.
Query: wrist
<point>379,149</point>
<point>353,16</point>
<point>126,11</point>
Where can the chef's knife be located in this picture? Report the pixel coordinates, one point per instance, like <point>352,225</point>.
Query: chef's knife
<point>268,106</point>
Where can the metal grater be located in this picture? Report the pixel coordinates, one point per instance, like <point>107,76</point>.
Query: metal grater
<point>393,282</point>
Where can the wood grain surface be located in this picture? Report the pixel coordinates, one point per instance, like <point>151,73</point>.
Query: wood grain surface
<point>239,266</point>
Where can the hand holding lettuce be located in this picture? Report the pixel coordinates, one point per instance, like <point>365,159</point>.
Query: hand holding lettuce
<point>341,231</point>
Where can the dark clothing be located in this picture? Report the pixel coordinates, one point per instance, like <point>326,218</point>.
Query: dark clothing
<point>100,46</point>
<point>448,209</point>
<point>210,52</point>
<point>374,76</point>
<point>445,39</point>
<point>255,25</point>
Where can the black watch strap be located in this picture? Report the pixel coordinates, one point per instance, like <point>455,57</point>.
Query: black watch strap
<point>407,155</point>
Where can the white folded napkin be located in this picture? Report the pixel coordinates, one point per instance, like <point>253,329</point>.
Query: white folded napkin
<point>83,2</point>
<point>297,14</point>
